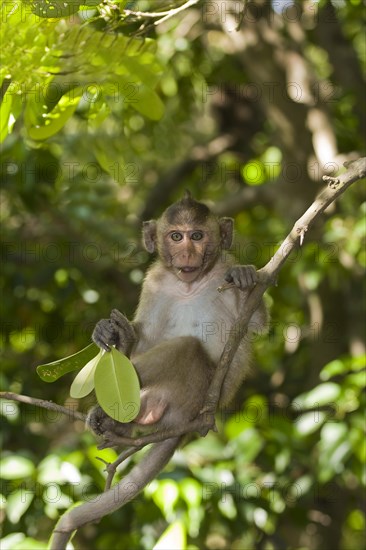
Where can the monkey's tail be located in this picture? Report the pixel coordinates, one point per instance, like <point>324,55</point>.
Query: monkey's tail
<point>121,493</point>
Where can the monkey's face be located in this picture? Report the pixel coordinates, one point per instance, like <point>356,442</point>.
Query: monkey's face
<point>188,238</point>
<point>188,251</point>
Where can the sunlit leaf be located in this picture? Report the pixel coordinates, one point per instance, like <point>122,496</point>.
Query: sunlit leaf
<point>50,372</point>
<point>191,491</point>
<point>166,496</point>
<point>227,506</point>
<point>335,367</point>
<point>17,504</point>
<point>18,541</point>
<point>117,386</point>
<point>343,365</point>
<point>30,544</point>
<point>320,395</point>
<point>16,467</point>
<point>173,538</point>
<point>83,383</point>
<point>249,444</point>
<point>310,422</point>
<point>334,448</point>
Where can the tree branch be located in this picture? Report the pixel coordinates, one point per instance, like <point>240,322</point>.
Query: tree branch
<point>68,411</point>
<point>121,493</point>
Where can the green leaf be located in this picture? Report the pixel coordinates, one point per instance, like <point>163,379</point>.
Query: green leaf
<point>334,368</point>
<point>5,111</point>
<point>83,383</point>
<point>50,372</point>
<point>52,122</point>
<point>117,386</point>
<point>148,103</point>
<point>342,366</point>
<point>55,8</point>
<point>143,72</point>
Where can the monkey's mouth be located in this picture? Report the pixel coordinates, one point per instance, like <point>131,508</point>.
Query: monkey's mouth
<point>187,269</point>
<point>187,273</point>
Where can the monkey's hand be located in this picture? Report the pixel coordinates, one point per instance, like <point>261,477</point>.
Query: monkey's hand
<point>242,276</point>
<point>115,331</point>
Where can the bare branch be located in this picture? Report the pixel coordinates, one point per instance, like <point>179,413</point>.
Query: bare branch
<point>68,411</point>
<point>121,493</point>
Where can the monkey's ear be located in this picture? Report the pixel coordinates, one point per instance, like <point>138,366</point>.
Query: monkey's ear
<point>226,232</point>
<point>149,235</point>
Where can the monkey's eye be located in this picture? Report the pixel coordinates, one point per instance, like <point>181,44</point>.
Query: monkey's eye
<point>197,236</point>
<point>176,236</point>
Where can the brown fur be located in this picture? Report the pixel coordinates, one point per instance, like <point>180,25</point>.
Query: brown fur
<point>182,322</point>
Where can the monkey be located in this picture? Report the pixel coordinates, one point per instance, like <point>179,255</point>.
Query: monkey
<point>182,322</point>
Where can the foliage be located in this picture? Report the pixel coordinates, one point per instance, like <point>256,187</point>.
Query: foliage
<point>106,118</point>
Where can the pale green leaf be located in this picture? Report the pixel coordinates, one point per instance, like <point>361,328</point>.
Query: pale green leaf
<point>117,386</point>
<point>166,496</point>
<point>17,504</point>
<point>16,467</point>
<point>83,383</point>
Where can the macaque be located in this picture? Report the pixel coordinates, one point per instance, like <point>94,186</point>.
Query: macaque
<point>182,322</point>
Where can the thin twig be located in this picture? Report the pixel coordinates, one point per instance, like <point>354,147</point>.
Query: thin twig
<point>112,468</point>
<point>166,14</point>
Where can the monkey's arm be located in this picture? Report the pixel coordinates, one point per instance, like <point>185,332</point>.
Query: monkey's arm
<point>115,331</point>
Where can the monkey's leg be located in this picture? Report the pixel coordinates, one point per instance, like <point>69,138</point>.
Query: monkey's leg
<point>100,423</point>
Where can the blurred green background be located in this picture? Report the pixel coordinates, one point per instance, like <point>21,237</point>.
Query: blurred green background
<point>106,117</point>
